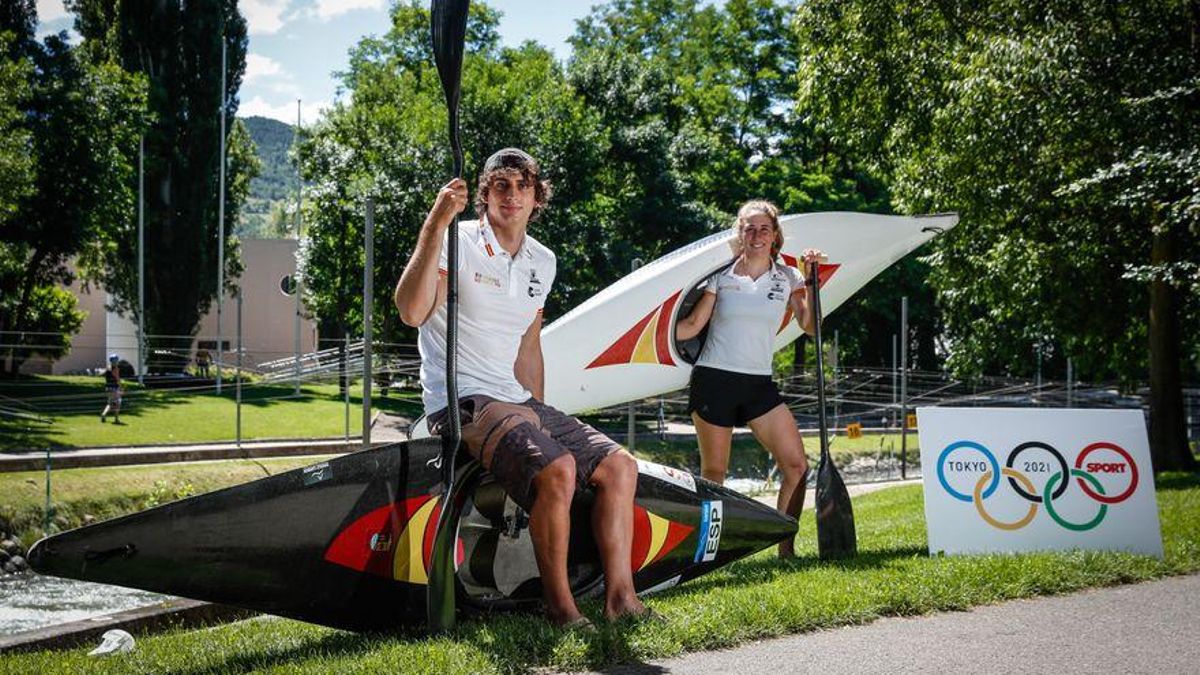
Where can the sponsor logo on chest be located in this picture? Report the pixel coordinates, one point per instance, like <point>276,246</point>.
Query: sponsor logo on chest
<point>487,280</point>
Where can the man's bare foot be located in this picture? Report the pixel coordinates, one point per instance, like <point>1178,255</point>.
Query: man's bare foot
<point>629,606</point>
<point>563,617</point>
<point>787,550</point>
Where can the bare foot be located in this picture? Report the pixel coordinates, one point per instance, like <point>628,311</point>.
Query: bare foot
<point>563,617</point>
<point>630,605</point>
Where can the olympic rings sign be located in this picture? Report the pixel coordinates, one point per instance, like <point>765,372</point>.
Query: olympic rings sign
<point>1054,487</point>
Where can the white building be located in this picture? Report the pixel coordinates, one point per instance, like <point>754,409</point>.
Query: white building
<point>268,318</point>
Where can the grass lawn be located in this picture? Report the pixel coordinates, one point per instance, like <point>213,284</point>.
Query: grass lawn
<point>748,459</point>
<point>72,406</point>
<point>79,496</point>
<point>756,598</point>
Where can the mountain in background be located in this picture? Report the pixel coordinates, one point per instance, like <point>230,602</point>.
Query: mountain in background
<point>265,214</point>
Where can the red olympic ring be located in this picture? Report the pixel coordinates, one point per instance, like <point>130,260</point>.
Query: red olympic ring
<point>1133,472</point>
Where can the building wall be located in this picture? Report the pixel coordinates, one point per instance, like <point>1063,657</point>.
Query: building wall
<point>268,315</point>
<point>268,318</point>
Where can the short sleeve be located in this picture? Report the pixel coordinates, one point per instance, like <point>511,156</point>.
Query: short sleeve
<point>444,255</point>
<point>550,271</point>
<point>713,282</point>
<point>794,279</point>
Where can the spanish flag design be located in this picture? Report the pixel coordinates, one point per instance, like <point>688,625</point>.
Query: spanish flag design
<point>654,537</point>
<point>646,342</point>
<point>393,541</point>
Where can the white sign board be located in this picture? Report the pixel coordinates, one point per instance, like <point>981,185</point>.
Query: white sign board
<point>1025,479</point>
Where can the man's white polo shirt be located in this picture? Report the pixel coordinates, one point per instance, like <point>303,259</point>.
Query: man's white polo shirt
<point>499,296</point>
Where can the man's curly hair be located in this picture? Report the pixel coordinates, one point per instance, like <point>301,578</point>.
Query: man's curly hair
<point>507,160</point>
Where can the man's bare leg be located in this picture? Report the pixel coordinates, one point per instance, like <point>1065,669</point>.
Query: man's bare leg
<point>550,528</point>
<point>612,522</point>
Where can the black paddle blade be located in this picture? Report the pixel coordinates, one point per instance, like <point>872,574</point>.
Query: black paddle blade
<point>835,515</point>
<point>449,23</point>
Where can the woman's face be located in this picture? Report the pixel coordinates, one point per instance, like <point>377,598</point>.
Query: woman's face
<point>758,233</point>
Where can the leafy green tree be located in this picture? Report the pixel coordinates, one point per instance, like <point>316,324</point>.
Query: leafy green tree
<point>1024,118</point>
<point>16,165</point>
<point>699,105</point>
<point>78,121</point>
<point>390,144</point>
<point>176,46</point>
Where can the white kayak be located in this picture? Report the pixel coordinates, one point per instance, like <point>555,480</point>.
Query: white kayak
<point>620,346</point>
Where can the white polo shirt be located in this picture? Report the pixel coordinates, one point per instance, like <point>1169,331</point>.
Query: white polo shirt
<point>498,298</point>
<point>746,318</point>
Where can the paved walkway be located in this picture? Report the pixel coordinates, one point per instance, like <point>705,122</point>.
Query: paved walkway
<point>1142,628</point>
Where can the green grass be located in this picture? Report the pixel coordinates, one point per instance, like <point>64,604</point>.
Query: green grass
<point>72,405</point>
<point>79,496</point>
<point>748,459</point>
<point>756,598</point>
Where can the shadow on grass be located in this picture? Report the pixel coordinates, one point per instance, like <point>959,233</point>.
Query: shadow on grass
<point>1177,480</point>
<point>762,570</point>
<point>333,644</point>
<point>526,639</point>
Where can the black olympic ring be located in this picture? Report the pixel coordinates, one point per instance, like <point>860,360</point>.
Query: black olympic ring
<point>1062,462</point>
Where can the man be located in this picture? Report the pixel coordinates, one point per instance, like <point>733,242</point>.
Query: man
<point>539,455</point>
<point>112,387</point>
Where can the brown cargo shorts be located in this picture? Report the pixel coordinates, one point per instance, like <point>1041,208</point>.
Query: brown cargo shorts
<point>515,441</point>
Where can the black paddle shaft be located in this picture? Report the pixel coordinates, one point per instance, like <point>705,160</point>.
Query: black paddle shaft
<point>835,516</point>
<point>449,29</point>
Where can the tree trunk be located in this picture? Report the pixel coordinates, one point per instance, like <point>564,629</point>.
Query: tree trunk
<point>1168,434</point>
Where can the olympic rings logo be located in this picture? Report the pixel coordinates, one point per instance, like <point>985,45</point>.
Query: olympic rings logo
<point>1083,473</point>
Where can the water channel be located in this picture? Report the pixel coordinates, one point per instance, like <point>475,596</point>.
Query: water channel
<point>29,601</point>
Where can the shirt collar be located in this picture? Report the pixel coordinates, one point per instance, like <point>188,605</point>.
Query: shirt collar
<point>491,246</point>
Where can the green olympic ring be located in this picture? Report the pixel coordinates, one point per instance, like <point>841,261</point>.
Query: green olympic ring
<point>1077,527</point>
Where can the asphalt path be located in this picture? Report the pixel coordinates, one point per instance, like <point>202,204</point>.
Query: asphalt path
<point>1140,628</point>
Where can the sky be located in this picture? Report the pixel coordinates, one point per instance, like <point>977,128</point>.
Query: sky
<point>297,45</point>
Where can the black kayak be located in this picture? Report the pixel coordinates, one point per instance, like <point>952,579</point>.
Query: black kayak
<point>347,542</point>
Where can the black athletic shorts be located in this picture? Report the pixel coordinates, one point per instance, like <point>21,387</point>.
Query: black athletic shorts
<point>515,441</point>
<point>729,399</point>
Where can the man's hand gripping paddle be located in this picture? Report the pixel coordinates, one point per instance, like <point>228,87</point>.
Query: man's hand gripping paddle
<point>835,517</point>
<point>449,24</point>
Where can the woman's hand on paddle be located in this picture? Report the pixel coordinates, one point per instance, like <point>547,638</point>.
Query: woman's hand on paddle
<point>451,201</point>
<point>810,256</point>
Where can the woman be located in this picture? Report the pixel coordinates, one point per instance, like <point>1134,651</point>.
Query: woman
<point>744,306</point>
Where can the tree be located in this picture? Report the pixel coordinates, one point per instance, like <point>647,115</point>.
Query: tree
<point>16,165</point>
<point>390,144</point>
<point>177,46</point>
<point>1014,114</point>
<point>78,122</point>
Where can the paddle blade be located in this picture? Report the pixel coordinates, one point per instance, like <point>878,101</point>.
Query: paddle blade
<point>835,515</point>
<point>449,23</point>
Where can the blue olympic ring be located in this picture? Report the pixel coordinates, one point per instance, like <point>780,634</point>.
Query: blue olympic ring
<point>941,470</point>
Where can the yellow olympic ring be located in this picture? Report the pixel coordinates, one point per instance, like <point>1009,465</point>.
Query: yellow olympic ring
<point>1011,473</point>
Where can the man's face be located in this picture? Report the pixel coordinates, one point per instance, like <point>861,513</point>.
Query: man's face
<point>511,198</point>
